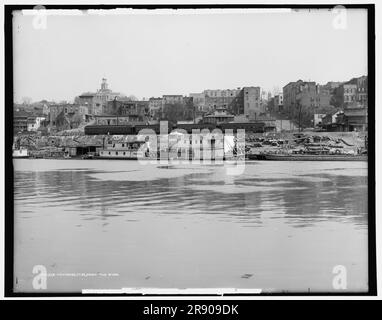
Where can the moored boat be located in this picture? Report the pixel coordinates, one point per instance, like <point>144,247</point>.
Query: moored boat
<point>121,151</point>
<point>20,153</point>
<point>307,157</point>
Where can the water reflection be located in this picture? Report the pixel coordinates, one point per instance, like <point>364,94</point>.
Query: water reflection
<point>300,200</point>
<point>191,226</point>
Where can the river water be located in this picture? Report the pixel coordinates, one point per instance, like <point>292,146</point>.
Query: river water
<point>279,226</point>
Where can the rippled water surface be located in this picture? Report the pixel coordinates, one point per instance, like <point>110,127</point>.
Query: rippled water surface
<point>279,226</point>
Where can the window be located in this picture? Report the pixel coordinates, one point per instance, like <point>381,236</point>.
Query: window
<point>116,153</point>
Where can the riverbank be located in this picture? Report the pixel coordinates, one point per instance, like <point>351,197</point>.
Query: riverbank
<point>344,143</point>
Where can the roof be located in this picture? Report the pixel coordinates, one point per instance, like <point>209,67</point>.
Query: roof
<point>108,115</point>
<point>355,112</point>
<point>220,116</point>
<point>333,112</point>
<point>21,114</point>
<point>87,94</point>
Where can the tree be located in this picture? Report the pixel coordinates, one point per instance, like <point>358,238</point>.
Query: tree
<point>336,100</point>
<point>302,115</point>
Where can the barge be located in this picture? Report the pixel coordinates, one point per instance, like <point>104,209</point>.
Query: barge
<point>307,157</point>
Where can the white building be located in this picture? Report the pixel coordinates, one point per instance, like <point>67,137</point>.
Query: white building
<point>34,123</point>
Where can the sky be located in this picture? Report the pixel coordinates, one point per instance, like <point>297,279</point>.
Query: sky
<point>150,54</point>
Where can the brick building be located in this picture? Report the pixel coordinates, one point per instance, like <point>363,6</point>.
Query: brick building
<point>304,98</point>
<point>252,102</point>
<point>155,107</point>
<point>353,93</point>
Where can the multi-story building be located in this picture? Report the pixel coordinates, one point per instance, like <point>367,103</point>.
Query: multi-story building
<point>228,93</point>
<point>155,107</point>
<point>55,110</point>
<point>240,101</point>
<point>97,101</point>
<point>172,99</point>
<point>361,92</point>
<point>34,123</point>
<point>352,93</point>
<point>349,93</point>
<point>356,104</point>
<point>105,94</point>
<point>290,95</point>
<point>278,102</point>
<point>199,100</point>
<point>139,108</point>
<point>89,100</point>
<point>220,98</point>
<point>252,102</point>
<point>155,103</point>
<point>20,121</point>
<point>305,95</point>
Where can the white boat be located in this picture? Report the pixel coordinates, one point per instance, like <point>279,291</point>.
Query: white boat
<point>20,153</point>
<point>121,150</point>
<point>175,148</point>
